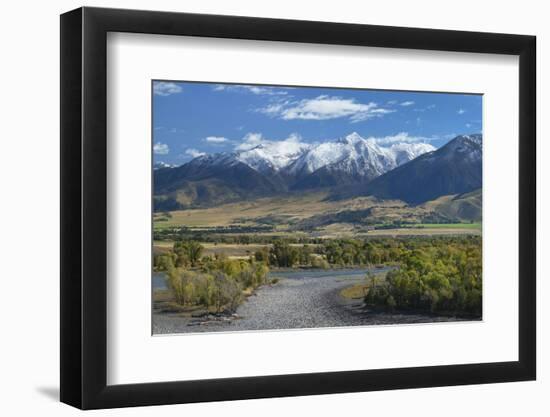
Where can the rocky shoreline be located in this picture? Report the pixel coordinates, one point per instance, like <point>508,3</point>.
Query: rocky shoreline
<point>296,302</point>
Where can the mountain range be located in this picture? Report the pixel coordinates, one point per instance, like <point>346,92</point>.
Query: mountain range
<point>350,166</point>
<point>455,168</point>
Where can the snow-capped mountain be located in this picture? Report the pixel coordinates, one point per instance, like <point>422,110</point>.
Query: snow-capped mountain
<point>271,167</point>
<point>160,164</point>
<point>405,152</point>
<point>469,146</point>
<point>453,169</point>
<point>272,156</point>
<point>356,156</point>
<point>353,155</point>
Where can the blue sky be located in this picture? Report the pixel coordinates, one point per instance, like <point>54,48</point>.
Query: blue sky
<point>190,119</point>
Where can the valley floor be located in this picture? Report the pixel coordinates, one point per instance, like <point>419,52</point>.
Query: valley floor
<point>314,215</point>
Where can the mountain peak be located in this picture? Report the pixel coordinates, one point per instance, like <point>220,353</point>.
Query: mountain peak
<point>350,159</point>
<point>352,138</point>
<point>469,145</point>
<point>454,168</point>
<point>272,156</point>
<point>475,138</point>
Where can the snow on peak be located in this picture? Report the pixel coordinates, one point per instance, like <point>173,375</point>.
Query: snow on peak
<point>469,146</point>
<point>161,164</point>
<point>475,138</point>
<point>352,138</point>
<point>272,155</point>
<point>357,156</point>
<point>351,154</point>
<point>405,152</point>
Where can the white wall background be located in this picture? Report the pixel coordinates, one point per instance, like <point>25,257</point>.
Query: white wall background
<point>29,220</point>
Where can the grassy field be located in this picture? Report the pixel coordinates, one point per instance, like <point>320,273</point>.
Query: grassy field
<point>286,216</point>
<point>425,232</point>
<point>449,225</point>
<point>355,292</point>
<point>282,216</point>
<point>358,291</point>
<point>262,211</point>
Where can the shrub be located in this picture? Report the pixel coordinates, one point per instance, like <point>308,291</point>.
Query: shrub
<point>319,262</point>
<point>180,282</point>
<point>164,262</point>
<point>227,292</point>
<point>390,303</point>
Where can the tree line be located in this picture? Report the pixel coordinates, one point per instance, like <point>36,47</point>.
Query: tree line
<point>439,274</point>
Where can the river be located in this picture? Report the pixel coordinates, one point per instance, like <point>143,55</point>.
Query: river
<point>301,299</point>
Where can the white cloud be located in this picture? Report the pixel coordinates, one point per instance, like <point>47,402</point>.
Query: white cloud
<point>468,125</point>
<point>216,139</point>
<point>160,148</point>
<point>461,111</point>
<point>323,108</point>
<point>254,89</point>
<point>392,102</point>
<point>407,103</point>
<point>161,88</point>
<point>402,137</point>
<point>265,90</point>
<point>423,109</point>
<point>252,139</point>
<point>194,153</point>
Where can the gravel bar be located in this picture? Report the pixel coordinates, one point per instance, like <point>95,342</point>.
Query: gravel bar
<point>299,300</point>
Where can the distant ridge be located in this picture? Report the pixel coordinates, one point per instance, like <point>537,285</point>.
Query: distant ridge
<point>455,168</point>
<point>273,168</point>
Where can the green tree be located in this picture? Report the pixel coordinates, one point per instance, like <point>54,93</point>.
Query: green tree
<point>262,255</point>
<point>188,252</point>
<point>283,255</point>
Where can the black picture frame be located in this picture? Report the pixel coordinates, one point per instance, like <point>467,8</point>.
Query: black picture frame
<point>84,207</point>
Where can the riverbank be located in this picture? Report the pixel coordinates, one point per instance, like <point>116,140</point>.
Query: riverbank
<point>301,299</point>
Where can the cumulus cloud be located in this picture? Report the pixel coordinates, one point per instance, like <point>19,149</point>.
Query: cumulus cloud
<point>407,103</point>
<point>216,139</point>
<point>161,148</point>
<point>324,108</point>
<point>162,88</point>
<point>254,89</point>
<point>194,153</point>
<point>461,111</point>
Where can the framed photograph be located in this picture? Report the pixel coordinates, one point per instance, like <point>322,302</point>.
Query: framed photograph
<point>257,208</point>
